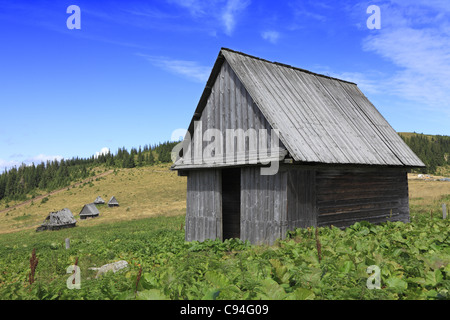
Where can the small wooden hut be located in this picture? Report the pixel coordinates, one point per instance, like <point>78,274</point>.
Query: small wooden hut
<point>89,211</point>
<point>337,160</point>
<point>113,202</point>
<point>58,220</point>
<point>99,200</point>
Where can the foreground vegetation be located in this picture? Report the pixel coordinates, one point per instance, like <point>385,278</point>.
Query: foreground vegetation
<point>147,232</point>
<point>323,263</point>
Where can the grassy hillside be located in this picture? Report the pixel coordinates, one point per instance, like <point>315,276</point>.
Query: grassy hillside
<point>141,192</point>
<point>20,183</point>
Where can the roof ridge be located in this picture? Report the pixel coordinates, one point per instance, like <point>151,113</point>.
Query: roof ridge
<point>286,65</point>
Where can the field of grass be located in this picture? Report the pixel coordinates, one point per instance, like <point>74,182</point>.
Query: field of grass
<point>141,192</point>
<point>426,197</point>
<point>147,232</point>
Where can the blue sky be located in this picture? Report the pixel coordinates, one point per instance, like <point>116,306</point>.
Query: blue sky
<point>135,70</point>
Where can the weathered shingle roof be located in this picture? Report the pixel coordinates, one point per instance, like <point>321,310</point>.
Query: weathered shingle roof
<point>321,119</point>
<point>113,200</point>
<point>89,210</point>
<point>99,200</point>
<point>62,217</point>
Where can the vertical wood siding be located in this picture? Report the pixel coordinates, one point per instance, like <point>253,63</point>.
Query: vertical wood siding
<point>229,106</point>
<point>203,207</point>
<point>263,206</point>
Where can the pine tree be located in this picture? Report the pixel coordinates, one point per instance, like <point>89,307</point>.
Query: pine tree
<point>151,158</point>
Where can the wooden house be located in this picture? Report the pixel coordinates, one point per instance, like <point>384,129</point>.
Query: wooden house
<point>99,200</point>
<point>89,211</point>
<point>337,160</point>
<point>58,220</point>
<point>113,202</point>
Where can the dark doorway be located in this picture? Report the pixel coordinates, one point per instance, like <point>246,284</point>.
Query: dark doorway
<point>231,203</point>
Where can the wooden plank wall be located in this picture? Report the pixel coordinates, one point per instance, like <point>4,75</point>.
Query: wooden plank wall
<point>203,207</point>
<point>230,106</point>
<point>263,206</point>
<point>301,198</point>
<point>347,196</point>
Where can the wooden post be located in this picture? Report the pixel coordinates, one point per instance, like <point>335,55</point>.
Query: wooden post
<point>67,243</point>
<point>444,211</point>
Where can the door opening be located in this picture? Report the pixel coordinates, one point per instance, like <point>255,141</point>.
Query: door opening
<point>231,203</point>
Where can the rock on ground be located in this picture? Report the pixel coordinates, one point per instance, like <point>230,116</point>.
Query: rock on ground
<point>114,267</point>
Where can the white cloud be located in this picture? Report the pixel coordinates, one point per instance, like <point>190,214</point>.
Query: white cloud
<point>103,151</point>
<point>271,36</point>
<point>415,38</point>
<point>232,9</point>
<point>195,7</point>
<point>42,158</point>
<point>8,164</point>
<point>5,164</point>
<point>190,69</point>
<point>211,11</point>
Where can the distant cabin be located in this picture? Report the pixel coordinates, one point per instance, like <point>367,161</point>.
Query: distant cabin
<point>58,220</point>
<point>89,211</point>
<point>99,200</point>
<point>113,202</point>
<point>335,160</point>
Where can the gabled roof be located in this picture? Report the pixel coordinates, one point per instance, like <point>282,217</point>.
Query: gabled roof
<point>89,210</point>
<point>320,119</point>
<point>113,200</point>
<point>99,200</point>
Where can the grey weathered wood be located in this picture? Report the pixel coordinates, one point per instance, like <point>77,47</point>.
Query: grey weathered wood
<point>301,212</point>
<point>301,118</point>
<point>347,196</point>
<point>229,106</point>
<point>347,163</point>
<point>355,124</point>
<point>444,211</point>
<point>203,212</point>
<point>67,241</point>
<point>263,209</point>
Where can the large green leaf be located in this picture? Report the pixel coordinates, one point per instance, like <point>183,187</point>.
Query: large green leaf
<point>433,278</point>
<point>217,279</point>
<point>346,266</point>
<point>301,294</point>
<point>280,271</point>
<point>271,290</point>
<point>396,284</point>
<point>212,294</point>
